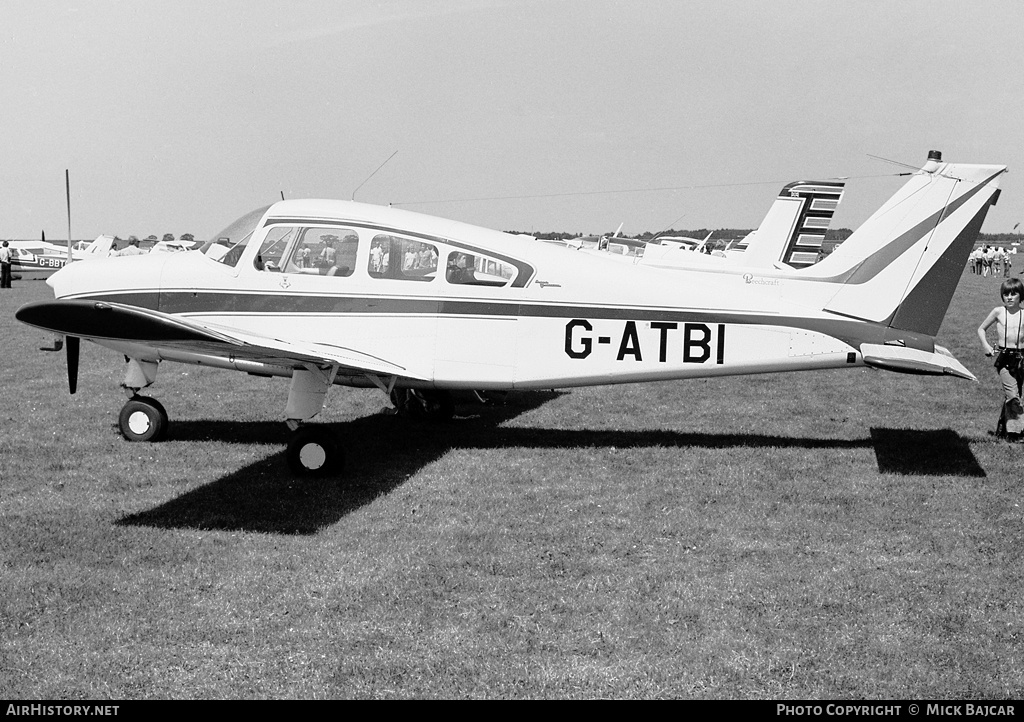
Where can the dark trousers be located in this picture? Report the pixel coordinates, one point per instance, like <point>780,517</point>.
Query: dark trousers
<point>5,275</point>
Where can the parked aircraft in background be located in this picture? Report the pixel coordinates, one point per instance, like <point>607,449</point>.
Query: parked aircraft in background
<point>613,244</point>
<point>98,248</point>
<point>43,256</point>
<point>790,236</point>
<point>172,246</point>
<point>331,293</point>
<point>682,243</point>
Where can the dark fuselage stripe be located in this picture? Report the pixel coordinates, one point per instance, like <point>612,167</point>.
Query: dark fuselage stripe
<point>228,303</point>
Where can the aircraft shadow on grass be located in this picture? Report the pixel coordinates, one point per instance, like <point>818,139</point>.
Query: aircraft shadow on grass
<point>266,497</point>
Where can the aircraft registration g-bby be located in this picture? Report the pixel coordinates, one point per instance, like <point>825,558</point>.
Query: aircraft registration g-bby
<point>43,256</point>
<point>334,292</point>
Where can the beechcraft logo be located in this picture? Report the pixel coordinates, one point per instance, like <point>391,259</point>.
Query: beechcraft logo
<point>759,281</point>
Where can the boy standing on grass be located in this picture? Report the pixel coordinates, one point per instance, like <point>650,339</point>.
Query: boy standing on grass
<point>1009,355</point>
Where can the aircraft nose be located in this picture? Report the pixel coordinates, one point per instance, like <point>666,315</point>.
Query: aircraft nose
<point>64,280</point>
<point>107,275</point>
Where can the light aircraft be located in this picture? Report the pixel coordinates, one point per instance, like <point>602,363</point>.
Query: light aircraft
<point>172,246</point>
<point>613,244</point>
<point>682,243</point>
<point>43,256</point>
<point>98,248</point>
<point>331,293</point>
<point>789,237</point>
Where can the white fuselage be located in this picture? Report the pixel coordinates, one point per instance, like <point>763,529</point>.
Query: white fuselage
<point>568,319</point>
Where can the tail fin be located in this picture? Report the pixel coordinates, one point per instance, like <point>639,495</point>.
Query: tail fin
<point>99,248</point>
<point>794,228</point>
<point>901,267</point>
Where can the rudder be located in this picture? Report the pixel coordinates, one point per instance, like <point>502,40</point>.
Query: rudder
<point>903,264</point>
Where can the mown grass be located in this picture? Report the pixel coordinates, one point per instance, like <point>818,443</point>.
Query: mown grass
<point>853,534</point>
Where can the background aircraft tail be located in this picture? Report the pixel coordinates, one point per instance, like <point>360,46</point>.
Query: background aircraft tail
<point>99,248</point>
<point>901,267</point>
<point>793,230</point>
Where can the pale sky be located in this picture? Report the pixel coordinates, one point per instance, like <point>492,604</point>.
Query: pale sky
<point>554,115</point>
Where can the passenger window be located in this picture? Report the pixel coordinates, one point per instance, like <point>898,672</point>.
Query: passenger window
<point>272,251</point>
<point>402,258</point>
<point>324,252</point>
<point>476,270</point>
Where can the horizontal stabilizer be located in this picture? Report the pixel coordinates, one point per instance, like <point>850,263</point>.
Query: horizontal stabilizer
<point>914,361</point>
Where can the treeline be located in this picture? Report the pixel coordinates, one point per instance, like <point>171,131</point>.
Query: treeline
<point>151,239</point>
<point>718,234</point>
<point>999,239</point>
<point>729,234</point>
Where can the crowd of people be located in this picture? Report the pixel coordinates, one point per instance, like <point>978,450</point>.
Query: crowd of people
<point>991,261</point>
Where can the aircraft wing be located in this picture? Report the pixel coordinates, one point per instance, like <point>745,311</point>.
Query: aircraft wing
<point>102,321</point>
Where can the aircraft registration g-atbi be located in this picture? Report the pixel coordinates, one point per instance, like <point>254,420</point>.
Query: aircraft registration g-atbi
<point>331,292</point>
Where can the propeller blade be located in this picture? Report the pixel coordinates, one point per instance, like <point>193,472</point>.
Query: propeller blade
<point>72,344</point>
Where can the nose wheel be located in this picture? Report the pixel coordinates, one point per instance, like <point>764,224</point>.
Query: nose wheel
<point>314,452</point>
<point>143,419</point>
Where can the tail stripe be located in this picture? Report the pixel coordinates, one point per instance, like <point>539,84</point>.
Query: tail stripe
<point>820,201</point>
<point>880,259</point>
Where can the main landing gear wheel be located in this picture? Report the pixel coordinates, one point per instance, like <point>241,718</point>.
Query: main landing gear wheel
<point>433,405</point>
<point>491,398</point>
<point>314,452</point>
<point>143,419</point>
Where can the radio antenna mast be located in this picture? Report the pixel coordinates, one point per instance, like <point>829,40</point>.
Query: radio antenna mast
<point>67,192</point>
<point>372,174</point>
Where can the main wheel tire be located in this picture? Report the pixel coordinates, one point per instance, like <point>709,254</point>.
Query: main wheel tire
<point>491,398</point>
<point>314,452</point>
<point>427,404</point>
<point>143,419</point>
<point>438,405</point>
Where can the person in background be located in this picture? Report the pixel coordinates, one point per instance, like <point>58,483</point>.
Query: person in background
<point>132,249</point>
<point>1009,354</point>
<point>6,259</point>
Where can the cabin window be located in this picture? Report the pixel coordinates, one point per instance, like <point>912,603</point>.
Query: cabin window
<point>322,251</point>
<point>476,270</point>
<point>402,258</point>
<point>224,251</point>
<point>227,246</point>
<point>271,255</point>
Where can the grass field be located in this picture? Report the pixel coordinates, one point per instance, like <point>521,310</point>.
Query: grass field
<point>849,534</point>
